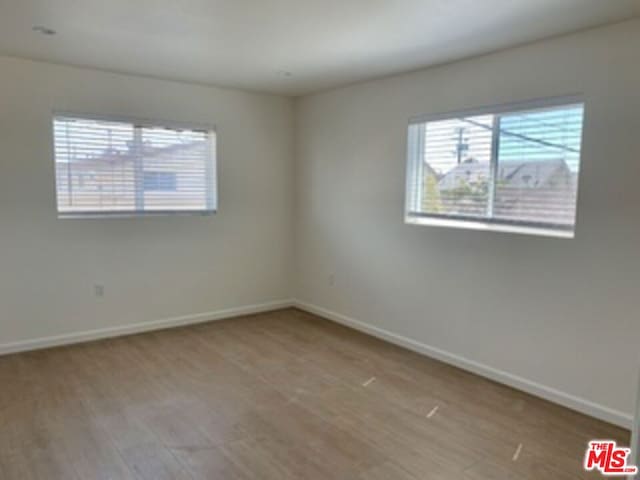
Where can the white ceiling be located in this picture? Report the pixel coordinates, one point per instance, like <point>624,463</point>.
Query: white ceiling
<point>323,43</point>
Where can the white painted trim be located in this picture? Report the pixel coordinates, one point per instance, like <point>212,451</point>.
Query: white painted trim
<point>410,219</point>
<point>565,399</point>
<point>568,400</point>
<point>109,332</point>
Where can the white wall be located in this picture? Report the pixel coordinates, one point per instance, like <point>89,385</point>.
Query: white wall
<point>152,268</point>
<point>562,314</point>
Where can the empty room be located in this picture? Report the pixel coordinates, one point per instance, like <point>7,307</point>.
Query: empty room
<point>319,239</point>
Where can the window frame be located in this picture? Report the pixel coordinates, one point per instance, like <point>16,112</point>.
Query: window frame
<point>210,129</point>
<point>414,161</point>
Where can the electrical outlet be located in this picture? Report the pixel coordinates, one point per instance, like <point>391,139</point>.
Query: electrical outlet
<point>98,290</point>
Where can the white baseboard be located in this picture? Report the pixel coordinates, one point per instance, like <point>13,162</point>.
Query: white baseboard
<point>88,335</point>
<point>573,402</point>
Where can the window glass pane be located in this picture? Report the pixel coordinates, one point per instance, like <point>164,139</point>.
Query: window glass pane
<point>176,172</point>
<point>160,181</point>
<point>538,165</point>
<point>94,166</point>
<point>456,166</point>
<point>105,166</point>
<point>499,169</point>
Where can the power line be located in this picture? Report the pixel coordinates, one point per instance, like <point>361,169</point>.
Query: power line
<point>521,136</point>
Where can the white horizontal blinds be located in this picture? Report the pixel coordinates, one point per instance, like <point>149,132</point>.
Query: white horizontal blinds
<point>177,173</point>
<point>537,166</point>
<point>95,167</point>
<point>112,166</point>
<point>518,167</point>
<point>457,169</point>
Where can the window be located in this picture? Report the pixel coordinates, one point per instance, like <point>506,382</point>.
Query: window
<point>110,166</point>
<point>512,168</point>
<point>160,181</point>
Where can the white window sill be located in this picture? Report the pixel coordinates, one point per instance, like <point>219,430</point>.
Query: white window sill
<point>488,226</point>
<point>109,215</point>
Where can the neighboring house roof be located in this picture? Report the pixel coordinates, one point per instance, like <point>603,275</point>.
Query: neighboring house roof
<point>519,174</point>
<point>532,173</point>
<point>469,172</point>
<point>428,170</point>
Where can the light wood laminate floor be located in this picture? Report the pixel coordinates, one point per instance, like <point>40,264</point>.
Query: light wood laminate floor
<point>283,395</point>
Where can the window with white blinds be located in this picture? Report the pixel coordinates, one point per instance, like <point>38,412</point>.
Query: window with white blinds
<point>115,166</point>
<point>511,168</point>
